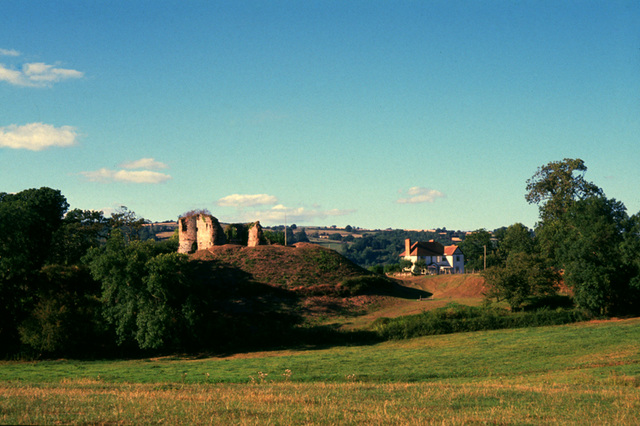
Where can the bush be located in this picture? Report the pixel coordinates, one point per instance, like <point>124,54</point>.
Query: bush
<point>376,269</point>
<point>370,284</point>
<point>455,318</point>
<point>65,319</point>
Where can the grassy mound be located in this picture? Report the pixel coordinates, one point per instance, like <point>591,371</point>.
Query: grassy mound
<point>306,269</point>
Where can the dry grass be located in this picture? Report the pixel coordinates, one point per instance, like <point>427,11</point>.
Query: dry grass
<point>575,374</point>
<point>466,289</point>
<point>496,401</point>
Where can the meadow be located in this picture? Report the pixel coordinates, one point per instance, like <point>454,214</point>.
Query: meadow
<point>586,373</point>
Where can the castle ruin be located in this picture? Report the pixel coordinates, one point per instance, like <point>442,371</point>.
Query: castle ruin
<point>200,231</point>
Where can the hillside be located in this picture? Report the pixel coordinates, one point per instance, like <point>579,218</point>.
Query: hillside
<point>321,285</point>
<point>299,267</point>
<point>306,282</point>
<point>435,292</point>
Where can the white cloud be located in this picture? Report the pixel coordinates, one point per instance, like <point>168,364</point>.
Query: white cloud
<point>418,194</point>
<point>144,163</point>
<point>37,136</point>
<point>135,176</point>
<point>9,52</point>
<point>37,74</point>
<point>299,214</point>
<point>247,200</point>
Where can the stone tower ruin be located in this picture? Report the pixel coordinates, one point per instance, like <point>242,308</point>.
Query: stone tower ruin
<point>255,234</point>
<point>200,231</point>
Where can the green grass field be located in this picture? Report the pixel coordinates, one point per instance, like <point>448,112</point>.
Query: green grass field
<point>576,374</point>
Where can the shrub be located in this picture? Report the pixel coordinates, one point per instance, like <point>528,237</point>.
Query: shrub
<point>369,284</point>
<point>455,318</point>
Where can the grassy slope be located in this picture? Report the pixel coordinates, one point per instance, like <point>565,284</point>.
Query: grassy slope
<point>583,373</point>
<point>299,266</point>
<point>314,274</point>
<point>311,275</point>
<point>432,292</point>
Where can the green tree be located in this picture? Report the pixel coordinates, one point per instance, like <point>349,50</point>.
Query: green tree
<point>419,266</point>
<point>376,269</point>
<point>143,291</point>
<point>630,258</point>
<point>301,237</point>
<point>594,265</point>
<point>473,248</point>
<point>28,222</point>
<point>335,237</point>
<point>392,268</point>
<point>523,276</point>
<point>128,223</point>
<point>80,231</point>
<point>517,238</point>
<point>557,185</point>
<point>273,237</point>
<point>405,263</point>
<point>65,319</point>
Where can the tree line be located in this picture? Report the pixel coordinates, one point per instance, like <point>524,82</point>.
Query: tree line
<point>584,244</point>
<point>74,283</point>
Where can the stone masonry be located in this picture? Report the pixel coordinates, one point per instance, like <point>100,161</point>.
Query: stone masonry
<point>201,231</point>
<point>255,234</point>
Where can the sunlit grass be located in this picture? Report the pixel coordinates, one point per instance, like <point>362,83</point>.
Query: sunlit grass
<point>575,374</point>
<point>294,403</point>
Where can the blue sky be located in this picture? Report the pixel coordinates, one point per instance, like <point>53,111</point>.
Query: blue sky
<point>404,114</point>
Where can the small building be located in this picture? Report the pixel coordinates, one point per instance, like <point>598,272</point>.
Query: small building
<point>438,258</point>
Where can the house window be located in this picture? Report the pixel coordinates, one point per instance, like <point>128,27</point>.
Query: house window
<point>457,258</point>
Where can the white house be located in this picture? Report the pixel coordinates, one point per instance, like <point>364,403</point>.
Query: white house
<point>439,259</point>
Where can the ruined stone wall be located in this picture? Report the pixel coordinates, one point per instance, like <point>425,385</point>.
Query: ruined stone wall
<point>187,234</point>
<point>255,234</point>
<point>210,232</point>
<point>199,232</point>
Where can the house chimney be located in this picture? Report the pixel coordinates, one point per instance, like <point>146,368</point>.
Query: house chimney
<point>407,247</point>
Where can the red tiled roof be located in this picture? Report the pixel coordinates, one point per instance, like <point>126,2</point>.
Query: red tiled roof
<point>450,250</point>
<point>420,248</point>
<point>431,248</point>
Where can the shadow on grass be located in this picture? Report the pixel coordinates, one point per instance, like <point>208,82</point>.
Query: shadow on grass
<point>402,292</point>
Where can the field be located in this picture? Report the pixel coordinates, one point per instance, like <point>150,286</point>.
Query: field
<point>585,373</point>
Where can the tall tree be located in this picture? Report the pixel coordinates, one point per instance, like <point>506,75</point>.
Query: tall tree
<point>65,319</point>
<point>557,185</point>
<point>594,265</point>
<point>28,221</point>
<point>128,222</point>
